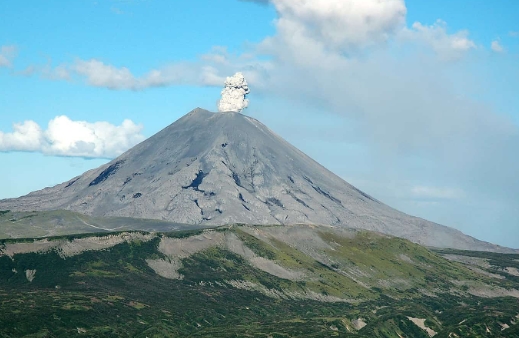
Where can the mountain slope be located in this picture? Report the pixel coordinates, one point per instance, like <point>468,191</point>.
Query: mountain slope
<point>236,281</point>
<point>30,224</point>
<point>214,169</point>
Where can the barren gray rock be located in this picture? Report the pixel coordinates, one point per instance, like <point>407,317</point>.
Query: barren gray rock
<point>166,269</point>
<point>222,168</point>
<point>420,322</point>
<point>30,274</point>
<point>286,294</point>
<point>512,271</point>
<point>234,244</point>
<point>359,323</point>
<point>69,248</point>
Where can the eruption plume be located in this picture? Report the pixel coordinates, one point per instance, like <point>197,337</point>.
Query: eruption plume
<point>234,94</point>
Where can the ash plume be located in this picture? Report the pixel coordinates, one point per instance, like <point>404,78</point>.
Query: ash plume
<point>234,94</point>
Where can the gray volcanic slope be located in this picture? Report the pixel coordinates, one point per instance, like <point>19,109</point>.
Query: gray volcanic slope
<point>220,168</point>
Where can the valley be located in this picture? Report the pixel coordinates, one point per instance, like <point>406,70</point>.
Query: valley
<point>242,280</point>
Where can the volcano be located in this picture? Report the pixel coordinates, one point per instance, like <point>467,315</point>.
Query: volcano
<point>223,168</point>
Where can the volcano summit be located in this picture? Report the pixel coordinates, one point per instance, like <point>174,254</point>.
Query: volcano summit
<point>222,168</point>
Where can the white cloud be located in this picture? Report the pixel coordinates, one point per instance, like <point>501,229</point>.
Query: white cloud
<point>7,55</point>
<point>99,74</point>
<point>340,25</point>
<point>47,72</point>
<point>427,192</point>
<point>513,34</point>
<point>65,137</point>
<point>210,70</point>
<point>447,46</point>
<point>497,47</point>
<point>26,136</point>
<point>310,31</point>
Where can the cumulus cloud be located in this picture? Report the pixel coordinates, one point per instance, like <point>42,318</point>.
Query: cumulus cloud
<point>65,137</point>
<point>324,31</point>
<point>337,25</point>
<point>234,94</point>
<point>497,47</point>
<point>7,55</point>
<point>26,136</point>
<point>349,25</point>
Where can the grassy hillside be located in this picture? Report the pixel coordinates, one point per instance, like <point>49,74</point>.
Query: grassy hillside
<point>27,224</point>
<point>244,281</point>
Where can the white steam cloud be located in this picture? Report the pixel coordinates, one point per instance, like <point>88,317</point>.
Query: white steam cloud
<point>234,94</point>
<point>65,137</point>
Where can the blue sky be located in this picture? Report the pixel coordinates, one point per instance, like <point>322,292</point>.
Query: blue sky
<point>414,102</point>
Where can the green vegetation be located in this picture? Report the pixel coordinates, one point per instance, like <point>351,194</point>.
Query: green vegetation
<point>114,293</point>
